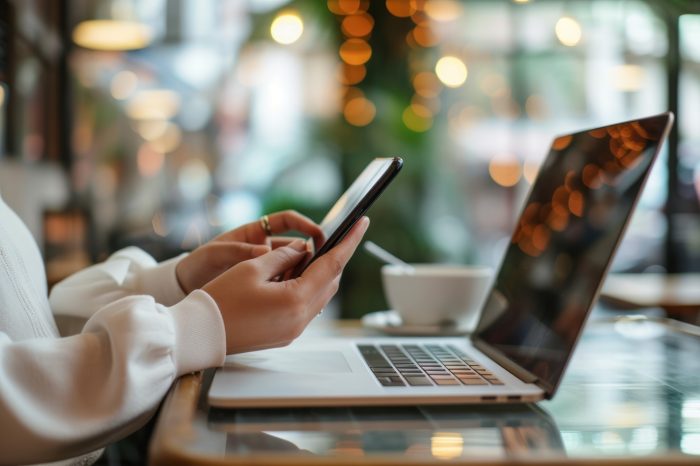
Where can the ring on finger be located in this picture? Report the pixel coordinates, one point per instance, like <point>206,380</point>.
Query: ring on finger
<point>265,225</point>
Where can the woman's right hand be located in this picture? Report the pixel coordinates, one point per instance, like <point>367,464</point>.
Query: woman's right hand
<point>260,312</point>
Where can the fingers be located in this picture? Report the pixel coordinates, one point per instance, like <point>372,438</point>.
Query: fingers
<point>331,264</point>
<point>280,222</point>
<point>281,259</point>
<point>279,241</point>
<point>234,252</point>
<point>290,220</point>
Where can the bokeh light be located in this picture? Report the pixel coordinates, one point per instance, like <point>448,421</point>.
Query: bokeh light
<point>568,31</point>
<point>123,85</point>
<point>505,172</point>
<point>359,25</point>
<point>344,7</point>
<point>154,104</point>
<point>401,8</point>
<point>355,52</point>
<point>451,71</point>
<point>352,74</point>
<point>112,35</point>
<point>427,84</point>
<point>417,118</point>
<point>443,10</point>
<point>359,111</point>
<point>286,28</point>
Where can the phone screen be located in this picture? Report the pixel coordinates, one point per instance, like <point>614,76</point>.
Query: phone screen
<point>354,202</point>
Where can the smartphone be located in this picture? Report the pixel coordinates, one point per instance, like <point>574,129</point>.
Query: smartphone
<point>353,204</point>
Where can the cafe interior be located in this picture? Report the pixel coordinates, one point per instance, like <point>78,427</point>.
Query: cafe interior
<point>163,123</point>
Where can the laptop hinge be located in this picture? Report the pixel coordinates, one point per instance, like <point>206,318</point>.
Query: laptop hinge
<point>515,369</point>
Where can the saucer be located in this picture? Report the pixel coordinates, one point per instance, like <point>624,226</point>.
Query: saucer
<point>389,322</point>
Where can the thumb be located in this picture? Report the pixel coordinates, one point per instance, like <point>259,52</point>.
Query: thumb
<point>282,259</point>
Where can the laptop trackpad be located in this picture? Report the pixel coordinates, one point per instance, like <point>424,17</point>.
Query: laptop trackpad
<point>307,362</point>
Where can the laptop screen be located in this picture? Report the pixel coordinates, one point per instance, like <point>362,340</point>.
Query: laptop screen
<point>565,238</point>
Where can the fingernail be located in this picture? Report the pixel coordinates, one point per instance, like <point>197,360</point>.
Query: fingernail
<point>365,223</point>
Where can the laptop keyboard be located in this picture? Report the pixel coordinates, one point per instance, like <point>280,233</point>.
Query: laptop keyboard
<point>423,365</point>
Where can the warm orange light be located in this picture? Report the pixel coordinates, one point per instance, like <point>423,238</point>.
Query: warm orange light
<point>355,52</point>
<point>424,36</point>
<point>505,173</point>
<point>562,142</point>
<point>352,74</point>
<point>598,133</point>
<point>426,84</point>
<point>359,25</point>
<point>540,237</point>
<point>420,18</point>
<point>401,8</point>
<point>576,203</point>
<point>560,200</point>
<point>345,7</point>
<point>359,111</point>
<point>558,221</point>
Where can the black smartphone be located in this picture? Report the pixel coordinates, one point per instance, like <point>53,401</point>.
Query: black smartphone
<point>353,204</point>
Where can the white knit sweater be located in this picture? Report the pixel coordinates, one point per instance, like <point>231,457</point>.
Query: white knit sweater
<point>62,397</point>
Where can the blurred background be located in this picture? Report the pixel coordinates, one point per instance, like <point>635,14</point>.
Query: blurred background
<point>160,123</point>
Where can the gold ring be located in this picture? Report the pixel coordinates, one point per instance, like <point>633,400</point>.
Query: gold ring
<point>265,225</point>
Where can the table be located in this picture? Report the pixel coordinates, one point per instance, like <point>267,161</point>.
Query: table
<point>631,395</point>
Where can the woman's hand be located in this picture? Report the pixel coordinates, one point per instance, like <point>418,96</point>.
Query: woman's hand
<point>260,312</point>
<point>241,244</point>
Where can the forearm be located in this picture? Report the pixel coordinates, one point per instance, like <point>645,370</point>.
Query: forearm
<point>63,397</point>
<point>127,272</point>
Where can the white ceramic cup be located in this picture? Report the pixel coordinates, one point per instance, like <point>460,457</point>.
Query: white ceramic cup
<point>437,294</point>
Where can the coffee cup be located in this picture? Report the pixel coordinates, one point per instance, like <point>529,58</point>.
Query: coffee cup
<point>437,294</point>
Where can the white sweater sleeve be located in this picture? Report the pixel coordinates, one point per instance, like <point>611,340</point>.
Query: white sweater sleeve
<point>61,397</point>
<point>127,272</point>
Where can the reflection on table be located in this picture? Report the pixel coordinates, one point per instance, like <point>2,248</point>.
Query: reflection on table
<point>427,431</point>
<point>631,392</point>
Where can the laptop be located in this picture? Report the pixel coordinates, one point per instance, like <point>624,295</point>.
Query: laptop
<point>564,240</point>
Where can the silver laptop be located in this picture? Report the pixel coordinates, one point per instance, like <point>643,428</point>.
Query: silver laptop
<point>563,243</point>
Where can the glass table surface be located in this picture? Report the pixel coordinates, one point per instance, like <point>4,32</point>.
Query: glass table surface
<point>631,394</point>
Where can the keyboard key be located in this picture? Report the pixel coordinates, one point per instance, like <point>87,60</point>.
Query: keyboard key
<point>418,380</point>
<point>473,381</point>
<point>391,381</point>
<point>447,382</point>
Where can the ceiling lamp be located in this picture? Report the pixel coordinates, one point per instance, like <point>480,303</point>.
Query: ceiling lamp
<point>112,35</point>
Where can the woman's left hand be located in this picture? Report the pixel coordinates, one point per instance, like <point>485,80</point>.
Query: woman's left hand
<point>240,244</point>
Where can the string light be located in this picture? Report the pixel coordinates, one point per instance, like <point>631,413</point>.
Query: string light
<point>355,52</point>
